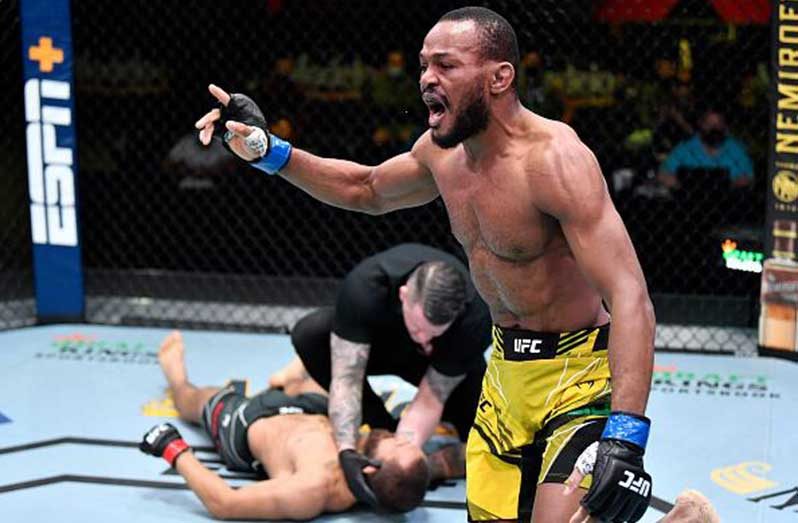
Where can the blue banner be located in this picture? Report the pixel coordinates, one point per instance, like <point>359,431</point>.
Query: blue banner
<point>52,158</point>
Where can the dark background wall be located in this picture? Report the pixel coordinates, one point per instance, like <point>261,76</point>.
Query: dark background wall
<point>162,217</point>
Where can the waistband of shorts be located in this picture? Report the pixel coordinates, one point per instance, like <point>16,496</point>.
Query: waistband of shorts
<point>528,345</point>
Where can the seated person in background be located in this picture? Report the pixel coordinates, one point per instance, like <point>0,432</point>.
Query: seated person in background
<point>710,148</point>
<point>675,119</point>
<point>287,437</point>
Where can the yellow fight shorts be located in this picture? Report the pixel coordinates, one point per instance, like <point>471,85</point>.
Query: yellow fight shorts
<point>545,398</point>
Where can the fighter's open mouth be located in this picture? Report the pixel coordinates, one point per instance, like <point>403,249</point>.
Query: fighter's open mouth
<point>437,108</point>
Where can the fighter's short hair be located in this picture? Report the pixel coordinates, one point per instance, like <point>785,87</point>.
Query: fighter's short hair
<point>497,37</point>
<point>398,489</point>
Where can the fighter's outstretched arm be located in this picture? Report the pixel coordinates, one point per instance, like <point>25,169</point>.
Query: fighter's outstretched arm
<point>291,497</point>
<point>397,183</point>
<point>402,181</point>
<point>286,497</point>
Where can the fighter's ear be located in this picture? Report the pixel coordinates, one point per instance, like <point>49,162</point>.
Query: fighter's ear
<point>502,77</point>
<point>403,290</point>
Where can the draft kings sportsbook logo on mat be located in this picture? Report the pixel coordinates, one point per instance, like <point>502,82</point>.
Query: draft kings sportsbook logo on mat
<point>88,348</point>
<point>752,482</point>
<point>671,379</point>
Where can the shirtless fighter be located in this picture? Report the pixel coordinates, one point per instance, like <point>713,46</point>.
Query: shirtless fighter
<point>528,202</point>
<point>287,437</point>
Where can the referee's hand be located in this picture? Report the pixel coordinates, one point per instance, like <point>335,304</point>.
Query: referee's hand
<point>354,466</point>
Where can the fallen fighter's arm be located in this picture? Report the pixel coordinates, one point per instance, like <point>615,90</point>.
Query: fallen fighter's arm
<point>402,181</point>
<point>419,420</point>
<point>296,496</point>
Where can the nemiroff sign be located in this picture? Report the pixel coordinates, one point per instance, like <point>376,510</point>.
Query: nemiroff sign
<point>782,212</point>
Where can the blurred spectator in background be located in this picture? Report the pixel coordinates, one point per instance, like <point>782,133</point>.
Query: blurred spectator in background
<point>392,88</point>
<point>753,106</point>
<point>284,128</point>
<point>279,90</point>
<point>395,107</point>
<point>711,148</point>
<point>536,94</point>
<point>674,122</point>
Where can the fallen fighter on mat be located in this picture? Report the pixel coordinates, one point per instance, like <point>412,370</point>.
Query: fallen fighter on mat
<point>287,437</point>
<point>691,506</point>
<point>294,446</point>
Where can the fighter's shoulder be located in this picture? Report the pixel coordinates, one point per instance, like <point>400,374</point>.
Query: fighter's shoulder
<point>562,168</point>
<point>327,481</point>
<point>558,151</point>
<point>339,497</point>
<point>424,148</point>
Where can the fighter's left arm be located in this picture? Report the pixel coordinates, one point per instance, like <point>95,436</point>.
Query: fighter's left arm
<point>419,420</point>
<point>574,192</point>
<point>295,496</point>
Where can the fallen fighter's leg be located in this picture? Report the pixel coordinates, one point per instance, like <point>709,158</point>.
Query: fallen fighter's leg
<point>189,399</point>
<point>691,507</point>
<point>294,379</point>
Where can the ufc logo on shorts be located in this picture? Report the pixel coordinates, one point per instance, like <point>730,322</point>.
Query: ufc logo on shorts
<point>50,177</point>
<point>526,346</point>
<point>637,485</point>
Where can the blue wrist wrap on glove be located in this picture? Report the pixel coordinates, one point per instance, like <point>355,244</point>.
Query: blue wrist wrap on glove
<point>627,427</point>
<point>278,155</point>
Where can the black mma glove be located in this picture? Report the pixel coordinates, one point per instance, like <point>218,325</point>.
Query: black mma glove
<point>164,441</point>
<point>240,108</point>
<point>352,464</point>
<point>621,488</point>
<point>271,151</point>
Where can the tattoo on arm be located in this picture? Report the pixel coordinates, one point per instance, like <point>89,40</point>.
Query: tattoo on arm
<point>442,385</point>
<point>349,361</point>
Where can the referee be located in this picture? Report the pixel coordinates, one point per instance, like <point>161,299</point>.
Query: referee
<point>412,312</point>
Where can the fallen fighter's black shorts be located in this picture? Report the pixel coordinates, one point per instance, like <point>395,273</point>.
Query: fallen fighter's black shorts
<point>228,414</point>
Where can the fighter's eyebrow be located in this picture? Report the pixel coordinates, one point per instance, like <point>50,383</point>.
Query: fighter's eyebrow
<point>439,54</point>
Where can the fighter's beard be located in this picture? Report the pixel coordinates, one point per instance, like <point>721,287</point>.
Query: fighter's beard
<point>472,120</point>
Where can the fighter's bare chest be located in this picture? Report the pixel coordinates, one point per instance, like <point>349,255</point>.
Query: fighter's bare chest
<point>500,216</point>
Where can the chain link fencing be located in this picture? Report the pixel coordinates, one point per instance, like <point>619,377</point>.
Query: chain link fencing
<point>175,234</point>
<point>16,278</point>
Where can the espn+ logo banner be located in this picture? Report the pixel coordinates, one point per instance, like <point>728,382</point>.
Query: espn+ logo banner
<point>51,156</point>
<point>51,178</point>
